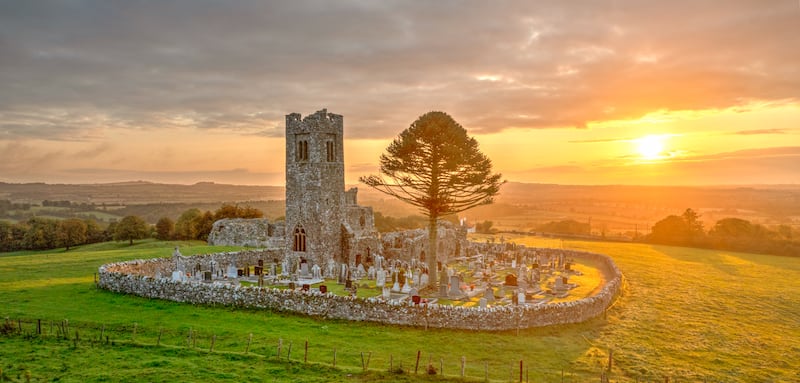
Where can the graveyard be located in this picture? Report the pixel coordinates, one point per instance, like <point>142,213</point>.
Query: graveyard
<point>501,287</point>
<point>478,281</point>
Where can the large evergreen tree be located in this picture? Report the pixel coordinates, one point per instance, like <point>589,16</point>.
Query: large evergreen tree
<point>435,166</point>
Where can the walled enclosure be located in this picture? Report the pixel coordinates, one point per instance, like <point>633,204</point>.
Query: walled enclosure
<point>143,278</point>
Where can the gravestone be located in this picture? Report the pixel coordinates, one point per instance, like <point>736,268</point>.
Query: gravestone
<point>381,278</point>
<point>386,294</point>
<point>423,280</point>
<point>177,276</point>
<point>316,272</point>
<point>207,276</point>
<point>442,289</point>
<point>304,270</point>
<point>455,286</point>
<point>259,270</point>
<point>305,287</point>
<point>415,299</point>
<point>520,297</point>
<point>261,263</point>
<point>413,291</point>
<point>511,280</point>
<point>396,286</point>
<point>482,303</point>
<point>232,272</point>
<point>323,289</point>
<point>488,294</point>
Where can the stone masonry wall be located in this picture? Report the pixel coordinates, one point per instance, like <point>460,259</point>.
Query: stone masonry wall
<point>126,277</point>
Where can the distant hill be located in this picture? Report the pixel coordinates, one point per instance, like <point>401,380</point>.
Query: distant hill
<point>520,206</point>
<point>139,192</point>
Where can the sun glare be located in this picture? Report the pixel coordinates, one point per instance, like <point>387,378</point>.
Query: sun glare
<point>650,147</point>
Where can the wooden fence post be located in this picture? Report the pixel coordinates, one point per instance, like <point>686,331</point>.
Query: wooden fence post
<point>160,332</point>
<point>520,371</point>
<point>133,338</point>
<point>213,339</point>
<point>416,367</point>
<point>334,357</point>
<point>289,353</point>
<point>249,339</point>
<point>463,364</point>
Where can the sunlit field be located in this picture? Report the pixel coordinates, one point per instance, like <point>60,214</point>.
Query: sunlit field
<point>687,314</point>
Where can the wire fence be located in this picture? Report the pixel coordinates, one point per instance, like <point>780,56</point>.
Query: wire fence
<point>292,350</point>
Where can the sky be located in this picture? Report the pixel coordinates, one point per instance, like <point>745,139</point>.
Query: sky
<point>578,92</point>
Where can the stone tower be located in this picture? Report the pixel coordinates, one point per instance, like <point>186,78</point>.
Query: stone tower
<point>315,197</point>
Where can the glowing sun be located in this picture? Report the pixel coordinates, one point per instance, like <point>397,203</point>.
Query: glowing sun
<point>650,147</point>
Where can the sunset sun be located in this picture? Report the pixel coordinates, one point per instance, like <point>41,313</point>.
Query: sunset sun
<point>650,147</point>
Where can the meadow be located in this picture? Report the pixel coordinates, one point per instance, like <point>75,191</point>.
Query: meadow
<point>687,314</point>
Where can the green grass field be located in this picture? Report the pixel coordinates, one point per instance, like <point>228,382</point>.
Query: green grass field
<point>689,314</point>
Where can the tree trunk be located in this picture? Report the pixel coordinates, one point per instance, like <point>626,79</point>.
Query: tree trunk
<point>433,274</point>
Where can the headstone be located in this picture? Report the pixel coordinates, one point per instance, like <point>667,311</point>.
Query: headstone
<point>406,288</point>
<point>416,299</point>
<point>378,262</point>
<point>306,287</point>
<point>381,278</point>
<point>292,286</point>
<point>396,286</point>
<point>482,303</point>
<point>559,285</point>
<point>443,288</point>
<point>386,293</point>
<point>316,272</point>
<point>511,280</point>
<point>488,294</point>
<point>348,284</point>
<point>521,297</point>
<point>207,276</point>
<point>455,286</point>
<point>413,291</point>
<point>513,263</point>
<point>323,289</point>
<point>177,276</point>
<point>232,272</point>
<point>239,272</point>
<point>261,263</point>
<point>259,270</point>
<point>304,270</point>
<point>423,280</point>
<point>371,272</point>
<point>361,271</point>
<point>272,267</point>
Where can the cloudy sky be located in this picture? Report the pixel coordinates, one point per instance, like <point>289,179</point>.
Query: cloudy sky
<point>578,92</point>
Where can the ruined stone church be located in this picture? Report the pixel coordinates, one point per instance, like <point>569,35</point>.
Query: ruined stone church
<point>324,223</point>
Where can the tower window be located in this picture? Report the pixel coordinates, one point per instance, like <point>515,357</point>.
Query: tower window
<point>331,155</point>
<point>299,243</point>
<point>302,150</point>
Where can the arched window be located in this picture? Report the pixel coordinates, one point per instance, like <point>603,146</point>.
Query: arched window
<point>299,243</point>
<point>302,150</point>
<point>330,153</point>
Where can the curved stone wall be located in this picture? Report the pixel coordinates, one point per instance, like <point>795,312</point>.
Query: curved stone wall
<point>133,277</point>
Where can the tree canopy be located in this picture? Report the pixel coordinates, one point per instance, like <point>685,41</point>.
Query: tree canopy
<point>435,166</point>
<point>131,228</point>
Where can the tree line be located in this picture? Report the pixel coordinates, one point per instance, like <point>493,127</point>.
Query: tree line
<point>39,233</point>
<point>733,234</point>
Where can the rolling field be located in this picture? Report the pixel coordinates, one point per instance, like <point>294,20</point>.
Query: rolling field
<point>688,314</point>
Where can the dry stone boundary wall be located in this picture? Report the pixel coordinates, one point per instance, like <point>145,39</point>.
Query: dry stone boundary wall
<point>134,277</point>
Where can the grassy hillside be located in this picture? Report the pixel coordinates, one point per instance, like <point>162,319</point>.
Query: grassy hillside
<point>686,313</point>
